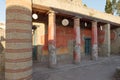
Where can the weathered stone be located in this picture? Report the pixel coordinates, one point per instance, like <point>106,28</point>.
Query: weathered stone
<point>77,54</point>
<point>117,74</point>
<point>94,41</point>
<point>52,56</point>
<point>2,67</point>
<point>51,39</point>
<point>105,47</point>
<point>18,53</point>
<point>1,48</point>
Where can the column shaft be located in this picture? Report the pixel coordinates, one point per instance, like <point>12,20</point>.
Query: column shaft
<point>77,55</point>
<point>18,55</point>
<point>107,48</point>
<point>51,39</point>
<point>94,41</point>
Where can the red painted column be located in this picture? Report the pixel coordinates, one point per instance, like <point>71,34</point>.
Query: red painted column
<point>51,39</point>
<point>76,54</point>
<point>94,41</point>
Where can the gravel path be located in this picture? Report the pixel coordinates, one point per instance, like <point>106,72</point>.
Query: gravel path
<point>103,69</point>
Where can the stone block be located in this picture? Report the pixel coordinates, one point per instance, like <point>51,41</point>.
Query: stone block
<point>117,74</point>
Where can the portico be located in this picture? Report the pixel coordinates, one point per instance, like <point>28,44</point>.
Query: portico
<point>60,34</point>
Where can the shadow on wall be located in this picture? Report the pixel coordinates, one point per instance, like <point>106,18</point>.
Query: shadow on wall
<point>38,54</point>
<point>2,44</point>
<point>1,48</point>
<point>1,61</point>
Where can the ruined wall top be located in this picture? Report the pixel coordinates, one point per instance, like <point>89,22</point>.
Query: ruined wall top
<point>76,6</point>
<point>73,2</point>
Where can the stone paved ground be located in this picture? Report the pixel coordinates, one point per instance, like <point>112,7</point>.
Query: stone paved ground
<point>103,69</point>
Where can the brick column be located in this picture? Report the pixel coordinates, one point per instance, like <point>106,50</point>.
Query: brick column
<point>18,55</point>
<point>76,54</point>
<point>94,41</point>
<point>51,39</point>
<point>107,49</point>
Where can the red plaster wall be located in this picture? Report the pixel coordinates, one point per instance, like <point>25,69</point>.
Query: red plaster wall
<point>45,46</point>
<point>101,34</point>
<point>113,35</point>
<point>85,33</point>
<point>63,35</point>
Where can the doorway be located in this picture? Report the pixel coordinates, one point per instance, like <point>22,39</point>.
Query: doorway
<point>87,46</point>
<point>34,35</point>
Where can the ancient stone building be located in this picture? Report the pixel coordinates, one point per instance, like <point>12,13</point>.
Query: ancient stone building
<point>63,31</point>
<point>2,46</point>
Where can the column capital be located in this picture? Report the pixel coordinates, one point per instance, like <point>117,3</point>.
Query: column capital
<point>77,17</point>
<point>51,11</point>
<point>107,24</point>
<point>76,22</point>
<point>94,21</point>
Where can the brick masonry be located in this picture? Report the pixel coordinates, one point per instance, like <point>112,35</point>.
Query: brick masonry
<point>18,52</point>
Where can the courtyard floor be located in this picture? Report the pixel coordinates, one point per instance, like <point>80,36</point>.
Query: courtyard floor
<point>102,69</point>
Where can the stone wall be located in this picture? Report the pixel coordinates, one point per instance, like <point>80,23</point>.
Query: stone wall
<point>104,41</point>
<point>115,42</point>
<point>2,47</point>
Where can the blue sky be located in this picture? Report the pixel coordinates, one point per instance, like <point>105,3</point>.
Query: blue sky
<point>2,10</point>
<point>95,4</point>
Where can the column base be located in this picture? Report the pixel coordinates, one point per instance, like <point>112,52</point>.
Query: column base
<point>95,52</point>
<point>76,58</point>
<point>52,55</point>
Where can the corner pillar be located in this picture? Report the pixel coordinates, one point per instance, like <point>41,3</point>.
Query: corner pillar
<point>51,39</point>
<point>18,53</point>
<point>94,41</point>
<point>77,54</point>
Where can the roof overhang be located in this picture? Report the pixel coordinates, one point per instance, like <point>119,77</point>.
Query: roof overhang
<point>62,6</point>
